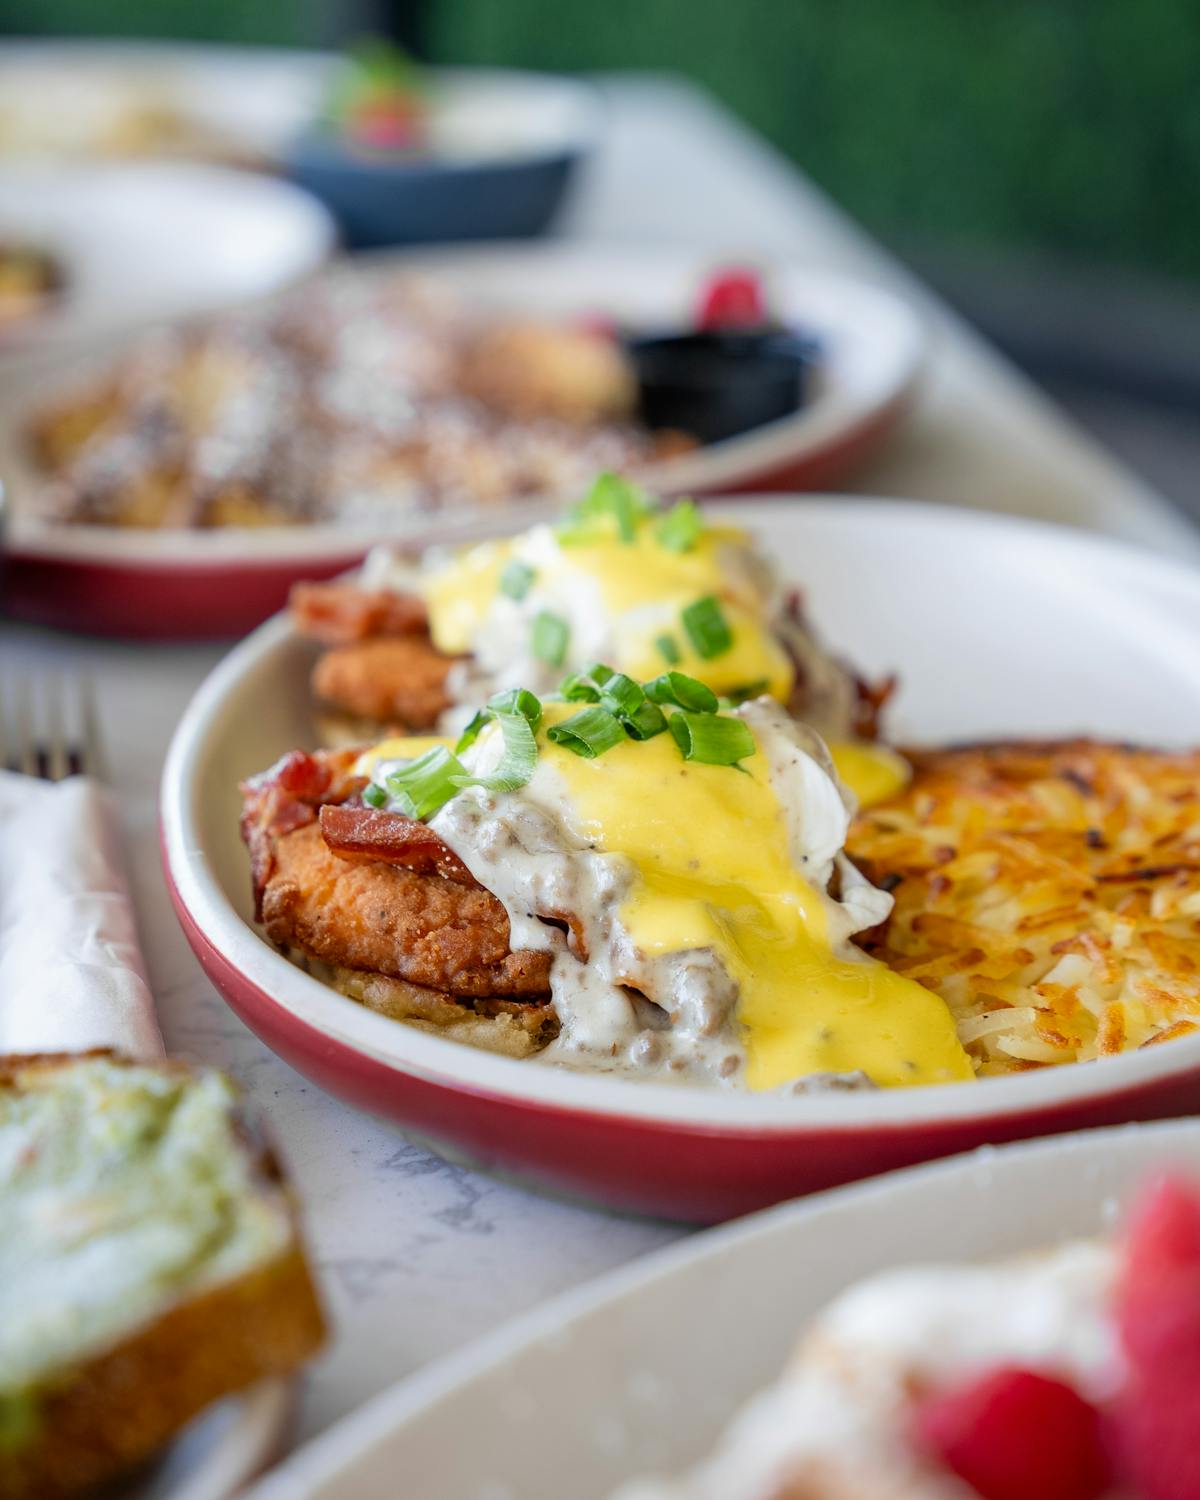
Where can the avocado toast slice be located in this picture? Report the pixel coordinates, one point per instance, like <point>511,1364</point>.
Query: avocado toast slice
<point>150,1263</point>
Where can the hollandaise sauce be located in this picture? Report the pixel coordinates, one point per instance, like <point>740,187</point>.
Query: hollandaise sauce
<point>624,601</point>
<point>695,857</point>
<point>715,868</point>
<point>872,772</point>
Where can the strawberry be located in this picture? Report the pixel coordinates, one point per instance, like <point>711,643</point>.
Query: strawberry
<point>732,299</point>
<point>1014,1434</point>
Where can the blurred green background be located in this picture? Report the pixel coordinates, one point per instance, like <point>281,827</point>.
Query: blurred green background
<point>1071,126</point>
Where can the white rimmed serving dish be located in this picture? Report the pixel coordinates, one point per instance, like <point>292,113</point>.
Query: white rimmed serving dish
<point>639,1371</point>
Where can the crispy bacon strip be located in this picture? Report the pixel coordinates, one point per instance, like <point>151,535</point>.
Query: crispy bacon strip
<point>285,797</point>
<point>870,698</point>
<point>368,833</point>
<point>870,701</point>
<point>337,614</point>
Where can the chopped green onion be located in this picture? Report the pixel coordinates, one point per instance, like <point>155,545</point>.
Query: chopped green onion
<point>516,580</point>
<point>680,529</point>
<point>645,722</point>
<point>682,691</point>
<point>518,701</point>
<point>621,695</point>
<point>473,730</point>
<point>549,639</point>
<point>426,784</point>
<point>711,739</point>
<point>589,733</point>
<point>585,686</point>
<point>707,628</point>
<point>517,762</point>
<point>747,690</point>
<point>609,496</point>
<point>620,498</point>
<point>578,687</point>
<point>668,648</point>
<point>641,719</point>
<point>374,795</point>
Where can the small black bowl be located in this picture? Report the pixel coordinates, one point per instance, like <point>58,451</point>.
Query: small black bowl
<point>718,383</point>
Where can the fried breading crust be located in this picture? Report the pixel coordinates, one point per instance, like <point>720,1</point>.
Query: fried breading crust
<point>392,680</point>
<point>1049,892</point>
<point>429,931</point>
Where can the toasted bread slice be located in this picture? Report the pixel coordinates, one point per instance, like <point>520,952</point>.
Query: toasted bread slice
<point>512,1028</point>
<point>152,1261</point>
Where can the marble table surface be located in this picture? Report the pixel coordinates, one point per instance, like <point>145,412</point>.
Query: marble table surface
<point>417,1256</point>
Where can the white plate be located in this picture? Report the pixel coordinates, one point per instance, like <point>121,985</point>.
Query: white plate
<point>997,628</point>
<point>259,100</point>
<point>153,240</point>
<point>640,1371</point>
<point>872,351</point>
<point>221,1451</point>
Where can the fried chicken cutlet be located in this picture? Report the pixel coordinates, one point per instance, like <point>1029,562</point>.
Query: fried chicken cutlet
<point>385,911</point>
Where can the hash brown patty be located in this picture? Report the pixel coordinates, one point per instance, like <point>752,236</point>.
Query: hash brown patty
<point>1048,891</point>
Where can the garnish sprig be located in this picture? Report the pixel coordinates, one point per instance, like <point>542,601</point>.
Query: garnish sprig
<point>612,498</point>
<point>707,628</point>
<point>614,709</point>
<point>673,700</point>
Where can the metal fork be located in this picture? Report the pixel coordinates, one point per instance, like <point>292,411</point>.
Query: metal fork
<point>47,729</point>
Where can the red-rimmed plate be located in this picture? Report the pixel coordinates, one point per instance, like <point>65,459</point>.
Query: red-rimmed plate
<point>187,585</point>
<point>998,627</point>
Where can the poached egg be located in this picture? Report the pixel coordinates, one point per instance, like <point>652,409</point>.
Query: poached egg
<point>618,586</point>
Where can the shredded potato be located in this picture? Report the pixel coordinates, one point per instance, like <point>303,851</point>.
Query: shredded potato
<point>1050,893</point>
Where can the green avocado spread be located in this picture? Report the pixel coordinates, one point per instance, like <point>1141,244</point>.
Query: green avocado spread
<point>123,1188</point>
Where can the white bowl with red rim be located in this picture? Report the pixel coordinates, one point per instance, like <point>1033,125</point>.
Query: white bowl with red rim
<point>998,628</point>
<point>193,584</point>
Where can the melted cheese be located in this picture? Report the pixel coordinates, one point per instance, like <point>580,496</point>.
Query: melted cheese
<point>713,870</point>
<point>618,598</point>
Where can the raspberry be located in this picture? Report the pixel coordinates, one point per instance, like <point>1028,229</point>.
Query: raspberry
<point>1164,1230</point>
<point>1156,1418</point>
<point>1013,1434</point>
<point>1157,1294</point>
<point>732,299</point>
<point>1155,1422</point>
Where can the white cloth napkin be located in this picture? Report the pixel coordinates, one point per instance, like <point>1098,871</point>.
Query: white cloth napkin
<point>71,974</point>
